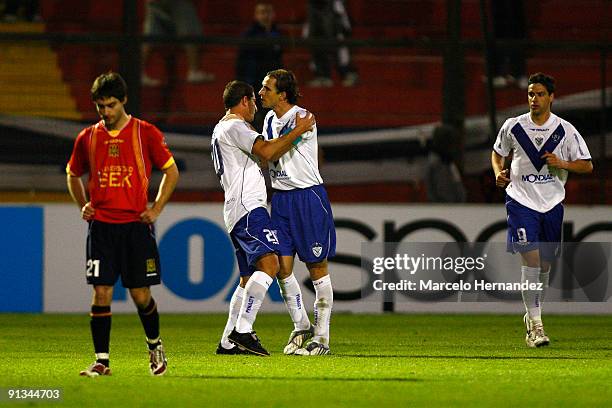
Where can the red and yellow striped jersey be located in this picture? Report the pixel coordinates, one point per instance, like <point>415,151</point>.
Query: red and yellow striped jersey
<point>119,164</point>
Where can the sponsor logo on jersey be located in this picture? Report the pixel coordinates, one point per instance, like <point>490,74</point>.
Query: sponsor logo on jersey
<point>537,178</point>
<point>317,249</point>
<point>115,176</point>
<point>538,130</point>
<point>278,174</point>
<point>555,137</point>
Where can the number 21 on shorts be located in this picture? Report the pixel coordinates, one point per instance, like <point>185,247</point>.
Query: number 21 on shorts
<point>93,267</point>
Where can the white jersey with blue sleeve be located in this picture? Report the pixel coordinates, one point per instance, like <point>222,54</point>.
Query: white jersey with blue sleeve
<point>299,167</point>
<point>532,183</point>
<point>238,169</point>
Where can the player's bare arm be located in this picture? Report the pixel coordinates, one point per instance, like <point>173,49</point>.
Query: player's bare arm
<point>501,176</point>
<point>77,192</point>
<point>272,150</point>
<point>166,188</point>
<point>576,166</point>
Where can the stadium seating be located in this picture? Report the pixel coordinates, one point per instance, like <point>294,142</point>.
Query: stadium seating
<point>30,78</point>
<point>399,86</point>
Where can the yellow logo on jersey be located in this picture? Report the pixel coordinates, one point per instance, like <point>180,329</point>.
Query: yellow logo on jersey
<point>115,176</point>
<point>113,150</point>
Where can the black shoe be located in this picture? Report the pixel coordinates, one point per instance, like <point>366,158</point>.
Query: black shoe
<point>248,342</point>
<point>233,351</point>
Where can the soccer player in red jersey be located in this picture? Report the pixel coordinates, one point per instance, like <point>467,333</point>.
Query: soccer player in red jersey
<point>118,153</point>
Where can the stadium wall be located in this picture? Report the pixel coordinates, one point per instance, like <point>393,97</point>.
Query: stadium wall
<point>42,258</point>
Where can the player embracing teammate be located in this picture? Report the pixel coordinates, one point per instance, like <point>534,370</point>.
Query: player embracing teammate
<point>236,151</point>
<point>301,222</point>
<point>301,214</point>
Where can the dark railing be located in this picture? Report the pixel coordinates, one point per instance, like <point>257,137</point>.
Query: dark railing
<point>453,49</point>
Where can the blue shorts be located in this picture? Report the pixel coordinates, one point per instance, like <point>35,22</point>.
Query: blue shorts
<point>304,222</point>
<point>529,229</point>
<point>253,237</point>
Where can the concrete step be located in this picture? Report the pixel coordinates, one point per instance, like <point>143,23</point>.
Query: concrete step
<point>40,88</point>
<point>47,113</point>
<point>19,102</point>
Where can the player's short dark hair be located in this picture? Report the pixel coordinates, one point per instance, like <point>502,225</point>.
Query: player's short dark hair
<point>234,92</point>
<point>546,80</point>
<point>286,82</point>
<point>108,85</point>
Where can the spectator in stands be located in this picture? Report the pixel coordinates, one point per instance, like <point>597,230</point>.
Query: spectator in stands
<point>29,8</point>
<point>328,20</point>
<point>254,62</point>
<point>178,17</point>
<point>442,177</point>
<point>509,24</point>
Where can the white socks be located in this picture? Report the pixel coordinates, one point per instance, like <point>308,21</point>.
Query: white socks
<point>532,298</point>
<point>254,294</point>
<point>292,294</point>
<point>234,309</point>
<point>324,300</point>
<point>246,302</point>
<point>544,278</point>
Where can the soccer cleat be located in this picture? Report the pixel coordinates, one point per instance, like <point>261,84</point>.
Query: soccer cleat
<point>538,336</point>
<point>535,337</point>
<point>527,322</point>
<point>95,370</point>
<point>247,342</point>
<point>157,360</point>
<point>297,339</point>
<point>233,351</point>
<point>313,349</point>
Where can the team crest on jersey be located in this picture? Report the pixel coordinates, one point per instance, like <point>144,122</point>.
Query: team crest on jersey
<point>539,141</point>
<point>317,249</point>
<point>113,150</point>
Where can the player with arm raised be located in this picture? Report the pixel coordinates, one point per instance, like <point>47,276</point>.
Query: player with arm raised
<point>545,148</point>
<point>236,151</point>
<point>301,214</point>
<point>118,153</point>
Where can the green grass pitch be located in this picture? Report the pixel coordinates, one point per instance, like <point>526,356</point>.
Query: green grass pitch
<point>378,360</point>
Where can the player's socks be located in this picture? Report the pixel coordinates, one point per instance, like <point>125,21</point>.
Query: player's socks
<point>292,294</point>
<point>544,279</point>
<point>254,293</point>
<point>324,300</point>
<point>234,309</point>
<point>149,318</point>
<point>100,324</point>
<point>531,298</point>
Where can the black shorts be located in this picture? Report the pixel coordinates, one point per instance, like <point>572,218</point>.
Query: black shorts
<point>127,250</point>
